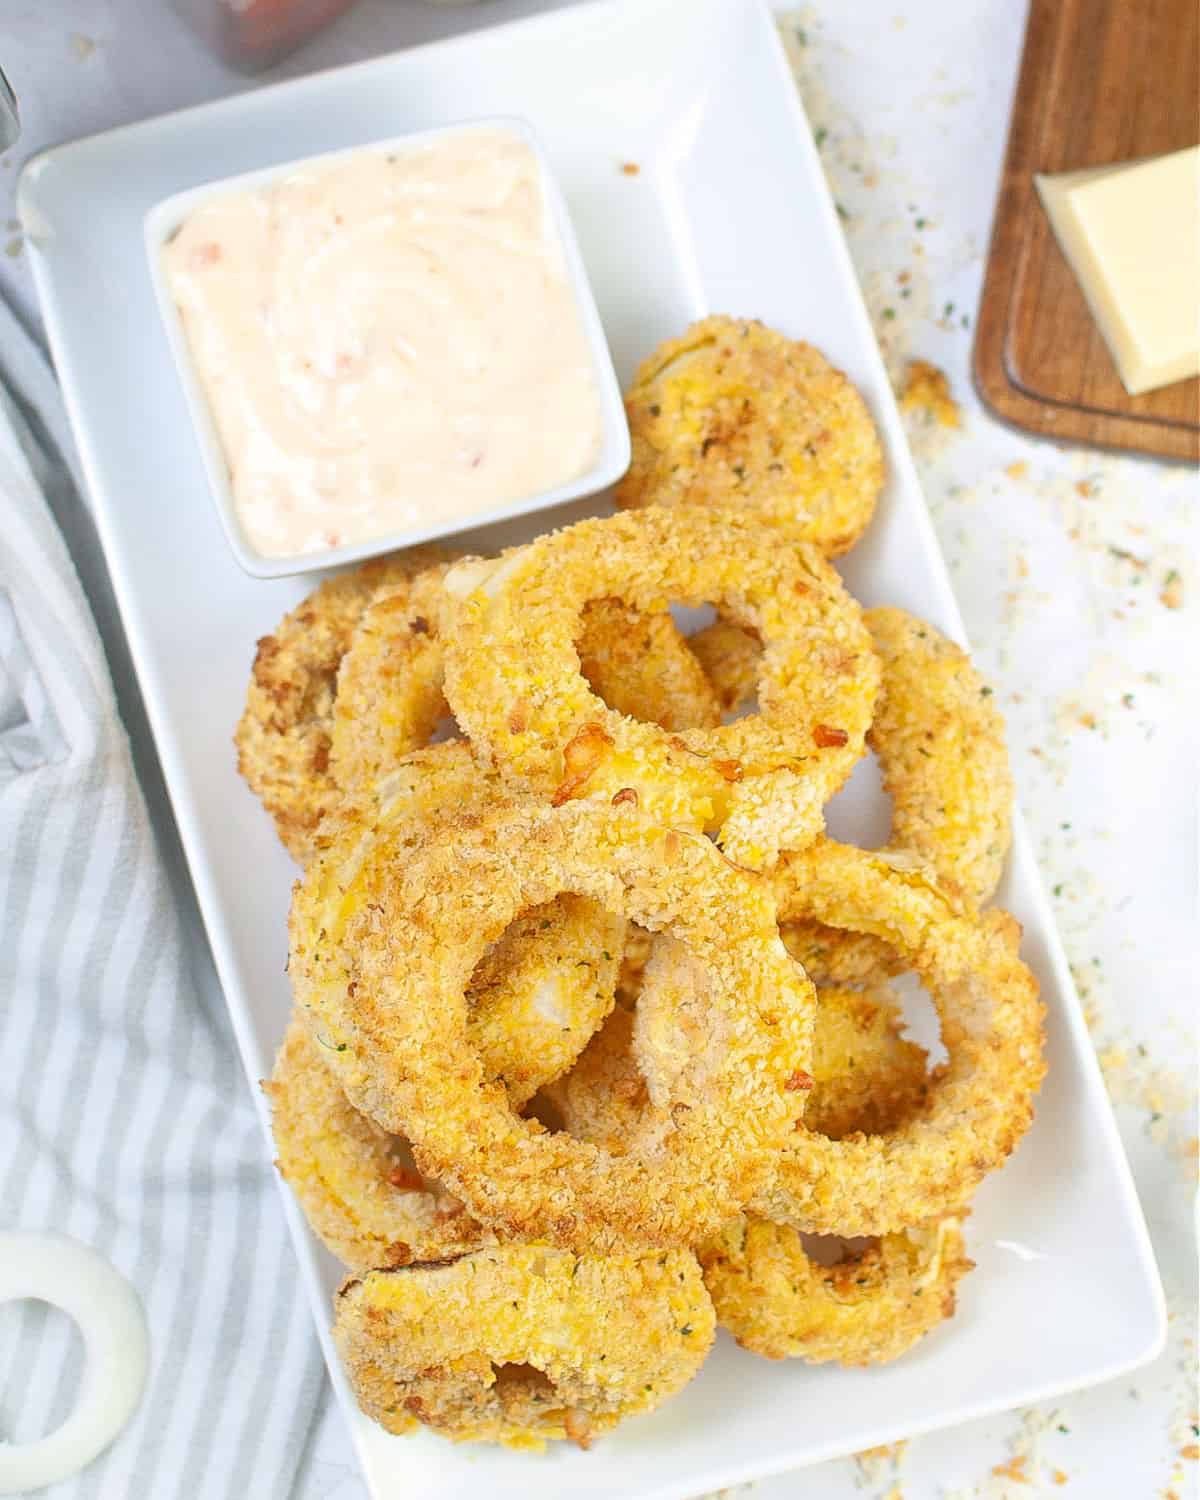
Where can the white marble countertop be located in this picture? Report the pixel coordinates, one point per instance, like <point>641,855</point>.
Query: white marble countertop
<point>1076,572</point>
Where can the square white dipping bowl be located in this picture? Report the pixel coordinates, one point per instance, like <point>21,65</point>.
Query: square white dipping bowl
<point>165,218</point>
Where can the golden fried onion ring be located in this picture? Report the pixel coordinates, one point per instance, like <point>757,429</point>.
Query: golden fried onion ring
<point>980,1101</point>
<point>513,679</point>
<point>865,1075</point>
<point>542,988</point>
<point>939,739</point>
<point>734,414</point>
<point>519,1344</point>
<point>870,1306</point>
<point>283,737</point>
<point>385,933</point>
<point>389,689</point>
<point>358,1186</point>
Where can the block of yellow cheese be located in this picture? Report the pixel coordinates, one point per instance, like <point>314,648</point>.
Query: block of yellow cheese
<point>1132,235</point>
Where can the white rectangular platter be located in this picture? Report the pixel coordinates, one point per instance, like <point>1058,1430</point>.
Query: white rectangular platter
<point>728,212</point>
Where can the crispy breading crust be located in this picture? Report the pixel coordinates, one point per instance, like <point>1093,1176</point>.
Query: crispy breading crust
<point>942,755</point>
<point>283,737</point>
<point>865,1076</point>
<point>385,932</point>
<point>389,698</point>
<point>869,1307</point>
<point>351,679</point>
<point>358,1186</point>
<point>513,679</point>
<point>389,689</point>
<point>542,988</point>
<point>519,1344</point>
<point>735,414</point>
<point>980,1101</point>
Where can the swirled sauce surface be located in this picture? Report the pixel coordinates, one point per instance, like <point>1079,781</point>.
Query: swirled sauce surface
<point>387,340</point>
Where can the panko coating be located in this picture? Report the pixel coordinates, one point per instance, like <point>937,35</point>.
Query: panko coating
<point>545,984</point>
<point>284,736</point>
<point>521,1344</point>
<point>865,1075</point>
<point>358,1186</point>
<point>390,688</point>
<point>734,414</point>
<point>351,679</point>
<point>939,739</point>
<point>869,1307</point>
<point>386,929</point>
<point>980,1101</point>
<point>513,679</point>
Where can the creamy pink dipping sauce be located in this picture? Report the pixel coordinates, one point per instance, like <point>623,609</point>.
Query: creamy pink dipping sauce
<point>388,340</point>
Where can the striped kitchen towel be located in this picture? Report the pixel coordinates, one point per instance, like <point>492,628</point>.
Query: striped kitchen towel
<point>125,1118</point>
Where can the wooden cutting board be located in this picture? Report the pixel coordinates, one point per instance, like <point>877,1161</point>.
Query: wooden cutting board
<point>1101,81</point>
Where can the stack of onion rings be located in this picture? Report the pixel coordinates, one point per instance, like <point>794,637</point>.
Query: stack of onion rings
<point>385,936</point>
<point>549,1045</point>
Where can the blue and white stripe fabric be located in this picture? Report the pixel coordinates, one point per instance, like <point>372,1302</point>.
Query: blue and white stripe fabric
<point>125,1118</point>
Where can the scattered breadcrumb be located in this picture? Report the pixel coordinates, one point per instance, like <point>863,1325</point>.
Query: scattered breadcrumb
<point>927,394</point>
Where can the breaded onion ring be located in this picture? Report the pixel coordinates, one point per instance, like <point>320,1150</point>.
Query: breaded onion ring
<point>869,1307</point>
<point>386,931</point>
<point>734,414</point>
<point>389,689</point>
<point>513,679</point>
<point>283,737</point>
<point>542,988</point>
<point>351,679</point>
<point>358,1186</point>
<point>939,739</point>
<point>389,698</point>
<point>864,1075</point>
<point>980,1101</point>
<point>519,1344</point>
